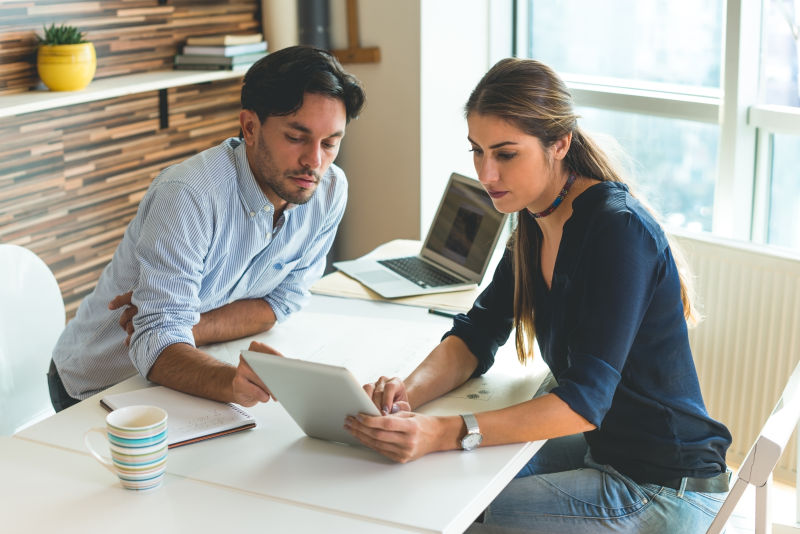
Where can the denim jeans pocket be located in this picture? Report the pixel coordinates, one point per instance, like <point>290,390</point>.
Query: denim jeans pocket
<point>638,491</point>
<point>708,503</point>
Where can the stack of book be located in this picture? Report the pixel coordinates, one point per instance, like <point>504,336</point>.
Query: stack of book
<point>221,52</point>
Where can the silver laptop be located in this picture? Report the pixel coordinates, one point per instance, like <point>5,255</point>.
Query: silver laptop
<point>317,396</point>
<point>455,253</point>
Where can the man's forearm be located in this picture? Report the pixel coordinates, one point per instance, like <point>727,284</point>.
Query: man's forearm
<point>238,319</point>
<point>185,368</point>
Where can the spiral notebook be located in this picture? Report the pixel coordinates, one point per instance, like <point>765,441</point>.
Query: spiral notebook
<point>189,418</point>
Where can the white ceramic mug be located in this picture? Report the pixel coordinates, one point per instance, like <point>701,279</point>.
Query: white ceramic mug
<point>137,439</point>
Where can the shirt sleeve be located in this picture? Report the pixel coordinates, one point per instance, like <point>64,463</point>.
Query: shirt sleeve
<point>623,259</point>
<point>487,325</point>
<point>176,233</point>
<point>293,292</point>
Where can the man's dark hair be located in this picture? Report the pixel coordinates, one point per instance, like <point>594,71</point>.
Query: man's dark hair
<point>276,83</point>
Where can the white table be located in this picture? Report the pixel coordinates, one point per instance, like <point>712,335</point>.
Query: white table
<point>291,473</point>
<point>48,489</point>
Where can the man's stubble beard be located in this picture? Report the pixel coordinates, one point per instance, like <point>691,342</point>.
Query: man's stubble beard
<point>269,176</point>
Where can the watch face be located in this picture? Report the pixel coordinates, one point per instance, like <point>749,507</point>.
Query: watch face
<point>471,441</point>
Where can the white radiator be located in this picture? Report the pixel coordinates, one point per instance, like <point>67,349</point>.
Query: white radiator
<point>749,340</point>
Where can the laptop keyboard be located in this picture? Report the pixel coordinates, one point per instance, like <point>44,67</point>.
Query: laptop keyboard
<point>424,275</point>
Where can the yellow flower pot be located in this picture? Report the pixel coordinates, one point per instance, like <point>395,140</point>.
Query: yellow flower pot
<point>66,67</point>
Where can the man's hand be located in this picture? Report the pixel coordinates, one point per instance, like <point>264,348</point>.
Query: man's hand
<point>126,319</point>
<point>248,389</point>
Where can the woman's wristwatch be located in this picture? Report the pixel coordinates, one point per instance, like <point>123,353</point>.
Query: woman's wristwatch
<point>473,437</point>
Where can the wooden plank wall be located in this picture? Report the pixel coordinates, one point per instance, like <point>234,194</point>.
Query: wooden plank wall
<point>71,178</point>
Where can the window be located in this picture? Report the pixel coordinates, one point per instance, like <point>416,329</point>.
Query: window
<point>630,40</point>
<point>778,123</point>
<point>780,49</point>
<point>672,163</point>
<point>784,224</point>
<point>710,118</point>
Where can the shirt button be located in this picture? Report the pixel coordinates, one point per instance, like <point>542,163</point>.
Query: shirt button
<point>278,266</point>
<point>266,208</point>
<point>252,214</point>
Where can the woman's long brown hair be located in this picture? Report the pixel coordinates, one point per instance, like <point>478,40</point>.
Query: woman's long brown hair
<point>532,97</point>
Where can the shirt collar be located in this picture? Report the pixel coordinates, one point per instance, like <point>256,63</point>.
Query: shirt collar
<point>598,190</point>
<point>250,194</point>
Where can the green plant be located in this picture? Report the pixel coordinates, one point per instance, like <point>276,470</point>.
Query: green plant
<point>61,35</point>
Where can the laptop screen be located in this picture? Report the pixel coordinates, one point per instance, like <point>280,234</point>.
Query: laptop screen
<point>466,226</point>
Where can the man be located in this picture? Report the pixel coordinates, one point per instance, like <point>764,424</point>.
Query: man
<point>223,245</point>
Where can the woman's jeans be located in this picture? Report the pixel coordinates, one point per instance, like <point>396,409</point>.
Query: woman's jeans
<point>562,489</point>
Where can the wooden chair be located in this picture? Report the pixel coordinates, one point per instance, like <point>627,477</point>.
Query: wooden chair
<point>762,458</point>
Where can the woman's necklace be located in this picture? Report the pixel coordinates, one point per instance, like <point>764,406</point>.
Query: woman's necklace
<point>557,201</point>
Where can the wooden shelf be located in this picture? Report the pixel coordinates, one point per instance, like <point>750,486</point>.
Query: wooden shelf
<point>32,101</point>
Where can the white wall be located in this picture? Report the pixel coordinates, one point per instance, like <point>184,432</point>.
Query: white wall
<point>381,151</point>
<point>455,54</point>
<point>412,133</point>
<point>279,22</point>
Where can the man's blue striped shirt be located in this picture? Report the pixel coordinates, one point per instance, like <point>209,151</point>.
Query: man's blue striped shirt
<point>203,237</point>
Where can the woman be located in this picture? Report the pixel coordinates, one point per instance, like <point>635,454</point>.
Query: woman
<point>590,274</point>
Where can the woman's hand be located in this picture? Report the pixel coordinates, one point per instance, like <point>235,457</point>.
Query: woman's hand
<point>389,395</point>
<point>402,437</point>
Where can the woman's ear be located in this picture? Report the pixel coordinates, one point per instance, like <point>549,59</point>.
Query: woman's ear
<point>561,146</point>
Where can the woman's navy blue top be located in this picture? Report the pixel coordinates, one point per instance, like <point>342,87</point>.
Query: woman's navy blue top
<point>612,330</point>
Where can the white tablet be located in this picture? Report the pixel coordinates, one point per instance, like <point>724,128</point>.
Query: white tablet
<point>317,396</point>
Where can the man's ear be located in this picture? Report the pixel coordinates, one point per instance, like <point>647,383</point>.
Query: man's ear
<point>561,146</point>
<point>249,123</point>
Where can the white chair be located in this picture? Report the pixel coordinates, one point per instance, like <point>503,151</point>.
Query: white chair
<point>762,458</point>
<point>31,319</point>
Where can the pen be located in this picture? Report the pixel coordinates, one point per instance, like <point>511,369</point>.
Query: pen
<point>443,313</point>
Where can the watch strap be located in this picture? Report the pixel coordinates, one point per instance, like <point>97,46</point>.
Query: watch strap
<point>471,423</point>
